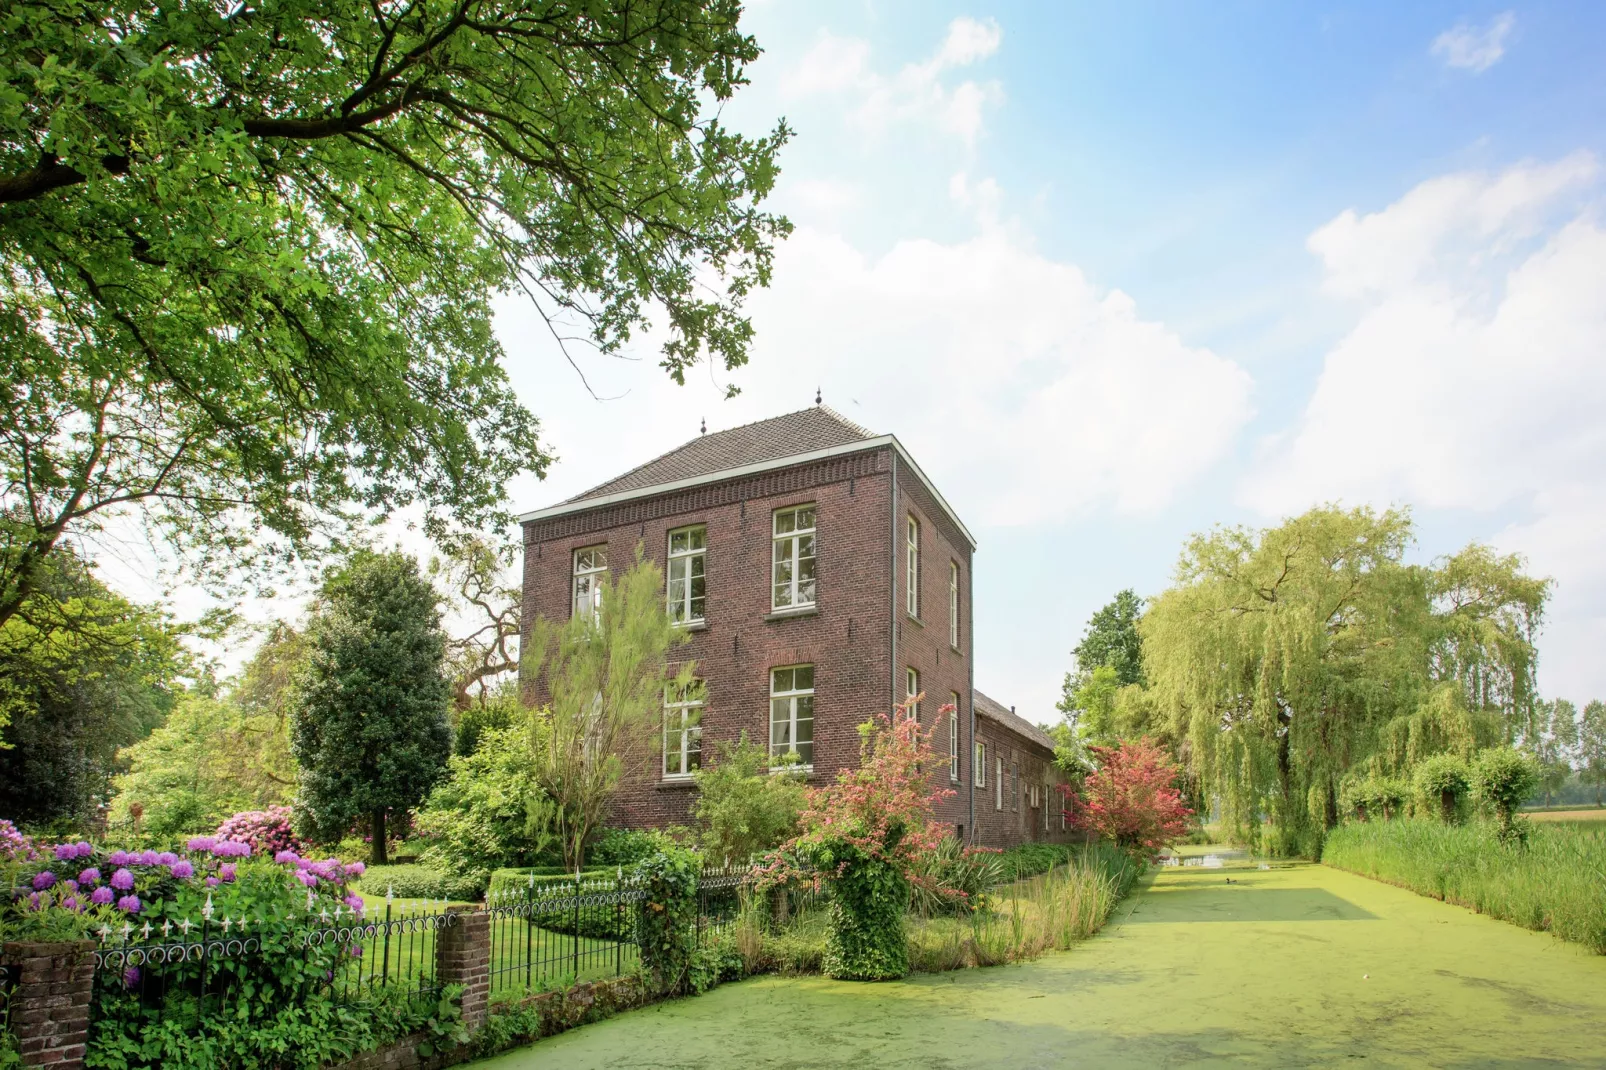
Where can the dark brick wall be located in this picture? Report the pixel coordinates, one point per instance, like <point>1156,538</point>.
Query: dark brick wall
<point>923,642</point>
<point>1022,822</point>
<point>847,639</point>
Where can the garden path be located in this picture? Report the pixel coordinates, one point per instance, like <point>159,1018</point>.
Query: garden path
<point>1298,965</point>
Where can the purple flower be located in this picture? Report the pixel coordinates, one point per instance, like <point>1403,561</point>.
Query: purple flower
<point>166,858</point>
<point>33,900</point>
<point>356,950</point>
<point>101,896</point>
<point>85,848</point>
<point>354,901</point>
<point>122,880</point>
<point>66,852</point>
<point>307,878</point>
<point>226,871</point>
<point>71,903</point>
<point>43,879</point>
<point>70,885</point>
<point>181,869</point>
<point>287,858</point>
<point>89,876</point>
<point>356,869</point>
<point>131,977</point>
<point>129,903</point>
<point>149,858</point>
<point>118,858</point>
<point>212,882</point>
<point>202,843</point>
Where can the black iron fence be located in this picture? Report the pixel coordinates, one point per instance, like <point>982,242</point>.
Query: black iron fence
<point>719,900</point>
<point>555,932</point>
<point>195,972</point>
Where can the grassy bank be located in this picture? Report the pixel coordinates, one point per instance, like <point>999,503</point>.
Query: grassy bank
<point>1023,919</point>
<point>1554,883</point>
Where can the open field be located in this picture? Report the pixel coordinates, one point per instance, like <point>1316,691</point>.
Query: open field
<point>1299,965</point>
<point>1576,814</point>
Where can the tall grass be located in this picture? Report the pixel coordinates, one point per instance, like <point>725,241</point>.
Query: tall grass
<point>1556,883</point>
<point>1051,911</point>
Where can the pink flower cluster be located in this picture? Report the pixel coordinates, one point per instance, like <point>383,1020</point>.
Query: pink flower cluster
<point>14,846</point>
<point>330,872</point>
<point>268,831</point>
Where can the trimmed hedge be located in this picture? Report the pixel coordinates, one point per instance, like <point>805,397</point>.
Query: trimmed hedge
<point>422,882</point>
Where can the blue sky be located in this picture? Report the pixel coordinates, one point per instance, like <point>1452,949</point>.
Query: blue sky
<point>1119,272</point>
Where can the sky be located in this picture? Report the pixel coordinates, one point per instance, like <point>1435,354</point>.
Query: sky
<point>1119,272</point>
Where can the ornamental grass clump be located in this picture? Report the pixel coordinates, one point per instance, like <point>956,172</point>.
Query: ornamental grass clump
<point>864,837</point>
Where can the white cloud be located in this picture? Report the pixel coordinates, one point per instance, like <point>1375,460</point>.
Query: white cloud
<point>917,92</point>
<point>1473,377</point>
<point>1474,48</point>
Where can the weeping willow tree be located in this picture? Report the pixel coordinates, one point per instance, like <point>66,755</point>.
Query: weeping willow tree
<point>1293,657</point>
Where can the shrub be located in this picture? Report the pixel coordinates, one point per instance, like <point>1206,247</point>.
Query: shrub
<point>1029,859</point>
<point>743,808</point>
<point>477,816</point>
<point>267,831</point>
<point>1501,779</point>
<point>666,921</point>
<point>1131,798</point>
<point>953,878</point>
<point>1373,796</point>
<point>423,882</point>
<point>623,847</point>
<point>864,836</point>
<point>1442,782</point>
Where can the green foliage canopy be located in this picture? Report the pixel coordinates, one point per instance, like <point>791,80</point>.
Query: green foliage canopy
<point>83,671</point>
<point>250,253</point>
<point>369,726</point>
<point>478,814</point>
<point>1290,656</point>
<point>742,807</point>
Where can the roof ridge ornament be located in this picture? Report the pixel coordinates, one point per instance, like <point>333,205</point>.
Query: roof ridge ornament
<point>817,396</point>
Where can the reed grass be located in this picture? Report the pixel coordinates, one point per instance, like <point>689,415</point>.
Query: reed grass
<point>1556,882</point>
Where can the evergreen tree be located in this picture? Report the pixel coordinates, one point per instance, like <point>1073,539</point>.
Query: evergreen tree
<point>369,715</point>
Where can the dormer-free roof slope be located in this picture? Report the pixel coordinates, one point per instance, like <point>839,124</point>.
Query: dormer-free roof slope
<point>805,431</point>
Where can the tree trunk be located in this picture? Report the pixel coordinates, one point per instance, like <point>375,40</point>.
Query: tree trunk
<point>377,828</point>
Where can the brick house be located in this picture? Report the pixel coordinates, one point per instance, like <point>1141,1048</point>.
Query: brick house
<point>823,580</point>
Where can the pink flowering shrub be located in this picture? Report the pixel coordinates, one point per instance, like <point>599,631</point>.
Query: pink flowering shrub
<point>267,831</point>
<point>866,836</point>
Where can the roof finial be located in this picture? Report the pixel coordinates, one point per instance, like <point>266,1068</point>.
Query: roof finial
<point>816,395</point>
<point>705,426</point>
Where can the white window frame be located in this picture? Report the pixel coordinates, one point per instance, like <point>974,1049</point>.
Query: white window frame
<point>953,738</point>
<point>911,578</point>
<point>682,719</point>
<point>953,604</point>
<point>791,698</point>
<point>787,548</point>
<point>585,580</point>
<point>911,708</point>
<point>685,566</point>
<point>978,763</point>
<point>998,784</point>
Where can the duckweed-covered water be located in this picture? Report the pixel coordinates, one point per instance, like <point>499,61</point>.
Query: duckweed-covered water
<point>1296,965</point>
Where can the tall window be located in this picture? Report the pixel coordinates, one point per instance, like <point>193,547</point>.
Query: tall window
<point>978,762</point>
<point>998,784</point>
<point>792,554</point>
<point>911,707</point>
<point>953,737</point>
<point>683,732</point>
<point>792,712</point>
<point>953,604</point>
<point>911,580</point>
<point>590,568</point>
<point>688,551</point>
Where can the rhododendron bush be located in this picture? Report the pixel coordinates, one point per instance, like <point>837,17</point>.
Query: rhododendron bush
<point>267,831</point>
<point>865,837</point>
<point>1131,797</point>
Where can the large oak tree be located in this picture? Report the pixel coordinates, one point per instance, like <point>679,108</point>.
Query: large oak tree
<point>250,249</point>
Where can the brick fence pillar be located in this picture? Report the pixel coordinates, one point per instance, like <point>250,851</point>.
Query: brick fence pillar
<point>463,957</point>
<point>50,1003</point>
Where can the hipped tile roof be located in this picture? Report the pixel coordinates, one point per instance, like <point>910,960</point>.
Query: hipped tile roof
<point>794,433</point>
